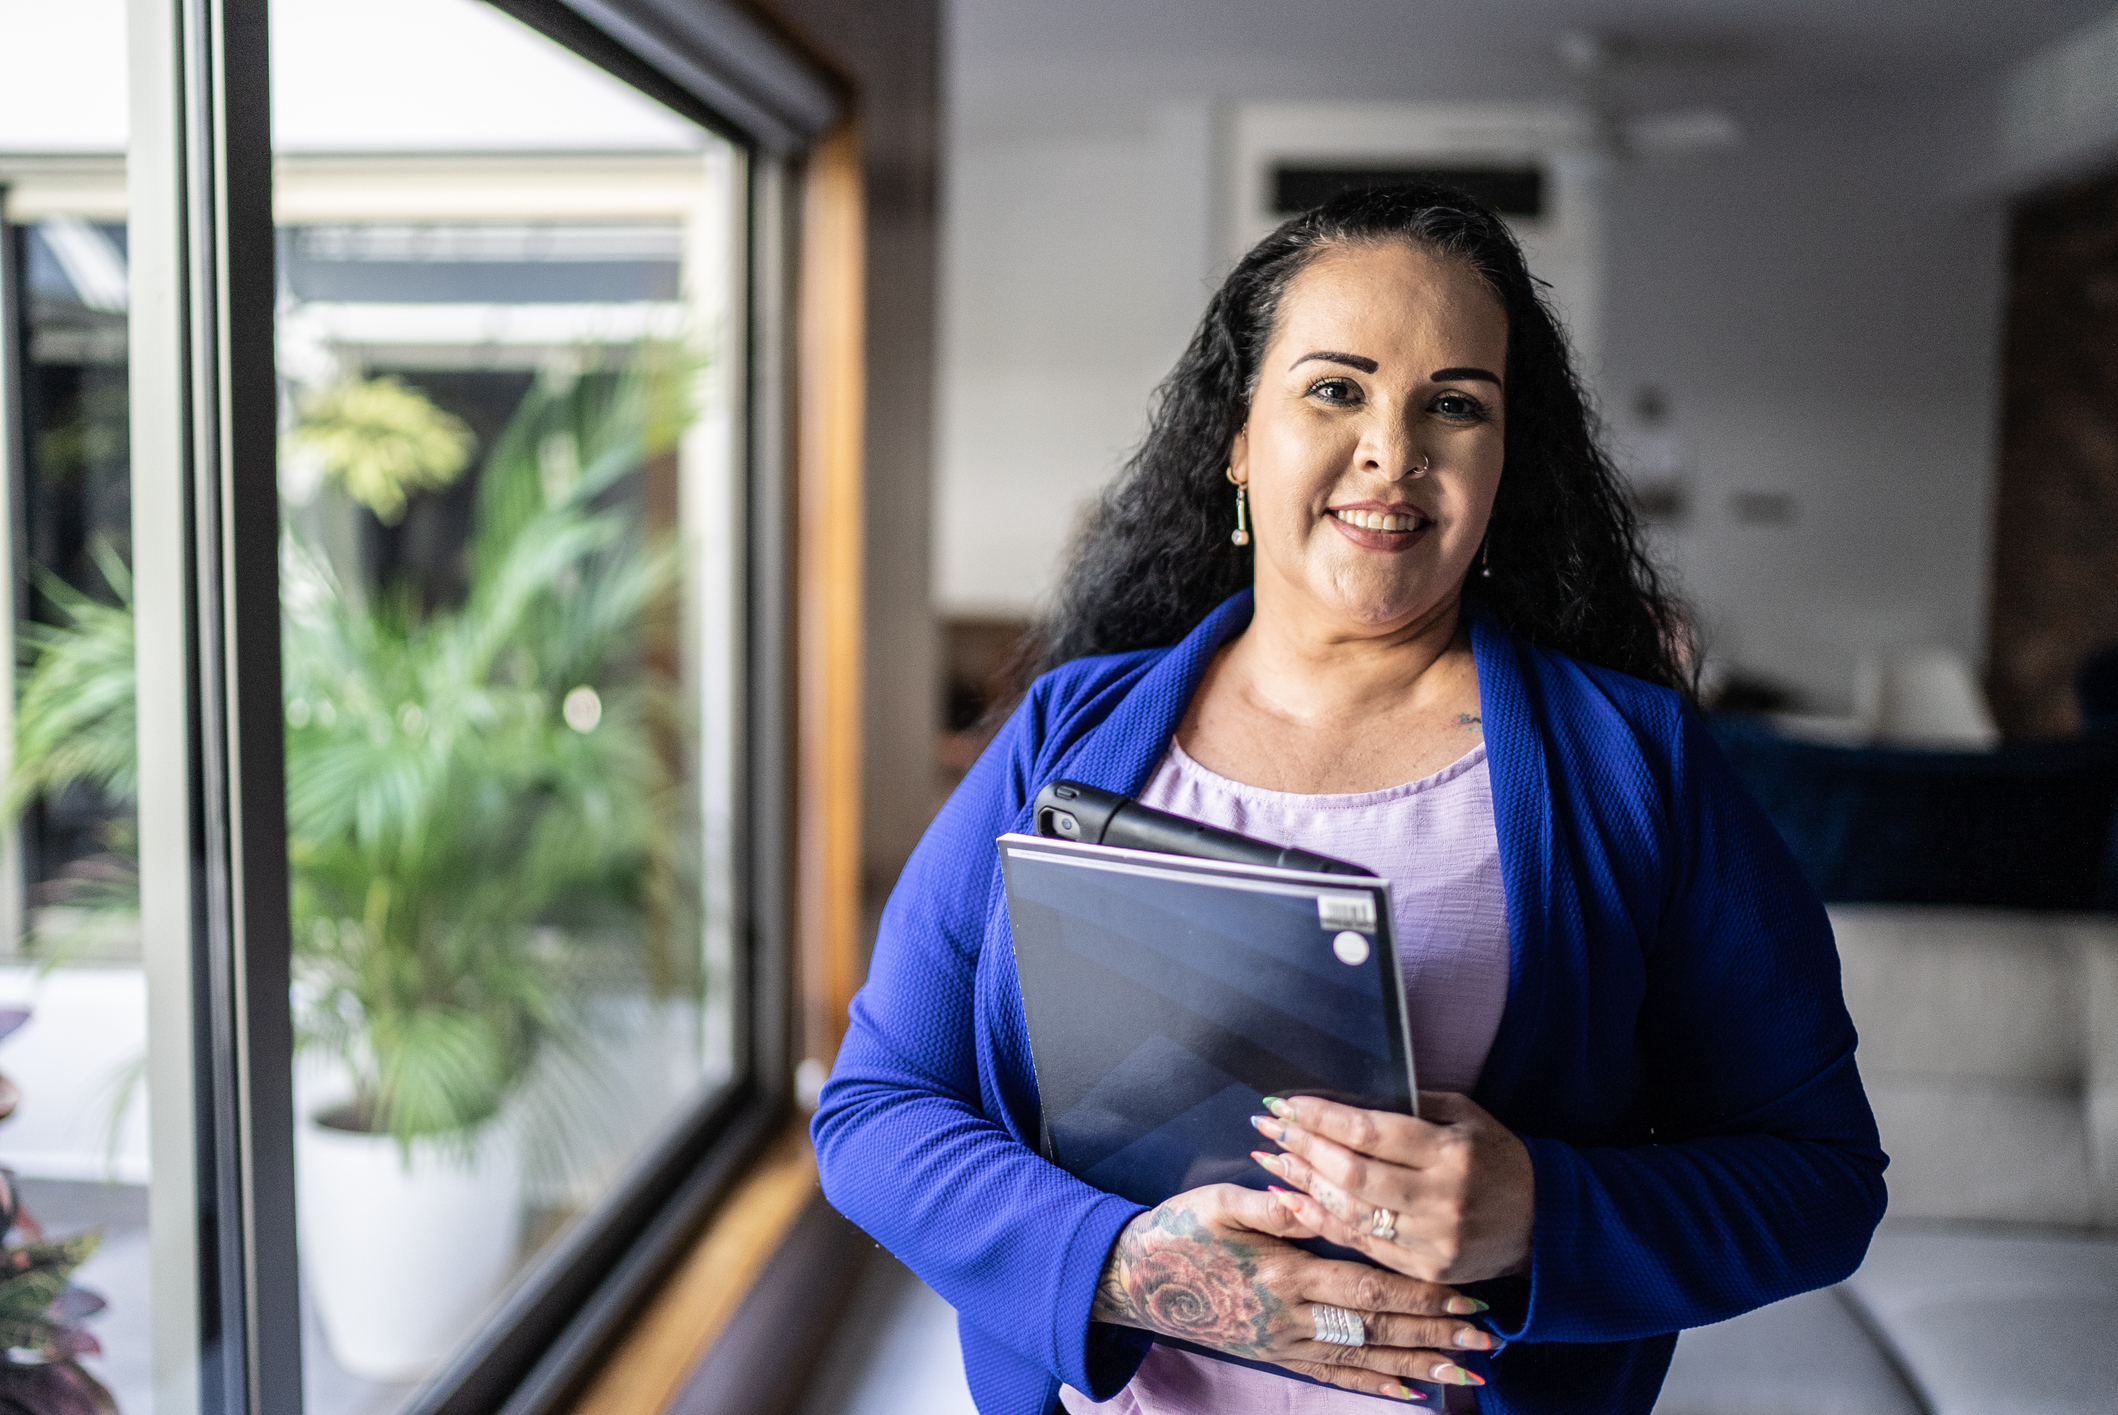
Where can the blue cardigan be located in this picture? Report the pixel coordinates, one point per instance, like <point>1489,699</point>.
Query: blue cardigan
<point>1674,1051</point>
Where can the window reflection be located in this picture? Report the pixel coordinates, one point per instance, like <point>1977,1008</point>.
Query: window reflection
<point>73,772</point>
<point>73,997</point>
<point>505,378</point>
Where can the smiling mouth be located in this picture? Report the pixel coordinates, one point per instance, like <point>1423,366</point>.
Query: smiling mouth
<point>1380,521</point>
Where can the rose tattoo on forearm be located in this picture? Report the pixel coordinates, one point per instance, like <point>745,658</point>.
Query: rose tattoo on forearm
<point>1170,1274</point>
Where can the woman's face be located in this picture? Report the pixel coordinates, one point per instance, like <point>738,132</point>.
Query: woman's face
<point>1373,446</point>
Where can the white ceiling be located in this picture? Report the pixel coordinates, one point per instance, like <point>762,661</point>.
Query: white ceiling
<point>1024,60</point>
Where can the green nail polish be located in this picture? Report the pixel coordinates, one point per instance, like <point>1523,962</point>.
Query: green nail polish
<point>1398,1392</point>
<point>1277,1106</point>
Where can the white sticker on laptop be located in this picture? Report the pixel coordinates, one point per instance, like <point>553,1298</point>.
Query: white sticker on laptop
<point>1352,948</point>
<point>1346,911</point>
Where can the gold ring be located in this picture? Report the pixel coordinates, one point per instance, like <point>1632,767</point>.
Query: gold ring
<point>1383,1225</point>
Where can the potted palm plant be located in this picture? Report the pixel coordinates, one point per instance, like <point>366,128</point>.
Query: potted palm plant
<point>472,792</point>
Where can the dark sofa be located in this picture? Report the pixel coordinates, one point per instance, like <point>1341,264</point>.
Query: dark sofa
<point>2027,827</point>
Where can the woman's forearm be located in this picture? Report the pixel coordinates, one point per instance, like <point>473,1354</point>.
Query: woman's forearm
<point>1636,1241</point>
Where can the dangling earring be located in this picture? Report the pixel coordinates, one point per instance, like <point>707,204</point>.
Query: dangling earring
<point>1485,558</point>
<point>1241,535</point>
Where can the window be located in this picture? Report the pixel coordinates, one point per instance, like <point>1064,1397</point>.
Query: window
<point>71,978</point>
<point>393,985</point>
<point>509,338</point>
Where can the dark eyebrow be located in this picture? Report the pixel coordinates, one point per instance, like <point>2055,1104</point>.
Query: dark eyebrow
<point>1350,360</point>
<point>1452,374</point>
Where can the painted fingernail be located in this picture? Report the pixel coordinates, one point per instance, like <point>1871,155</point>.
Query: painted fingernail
<point>1465,1306</point>
<point>1472,1339</point>
<point>1398,1392</point>
<point>1276,1106</point>
<point>1271,1162</point>
<point>1448,1373</point>
<point>1265,1125</point>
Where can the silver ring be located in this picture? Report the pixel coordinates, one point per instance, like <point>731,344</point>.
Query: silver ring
<point>1383,1225</point>
<point>1335,1326</point>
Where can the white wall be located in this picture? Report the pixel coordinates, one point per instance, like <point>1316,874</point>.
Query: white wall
<point>1822,305</point>
<point>1074,266</point>
<point>77,1064</point>
<point>1824,313</point>
<point>2058,109</point>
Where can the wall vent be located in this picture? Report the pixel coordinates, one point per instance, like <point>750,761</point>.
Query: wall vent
<point>1511,191</point>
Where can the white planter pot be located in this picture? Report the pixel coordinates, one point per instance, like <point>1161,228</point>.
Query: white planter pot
<point>401,1260</point>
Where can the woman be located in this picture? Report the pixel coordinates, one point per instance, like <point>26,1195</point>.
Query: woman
<point>1369,588</point>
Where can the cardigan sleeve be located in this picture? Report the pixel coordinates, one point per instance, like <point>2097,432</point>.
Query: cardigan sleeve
<point>1764,1177</point>
<point>907,1146</point>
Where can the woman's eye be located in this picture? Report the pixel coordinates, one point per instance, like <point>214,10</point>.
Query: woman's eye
<point>1336,390</point>
<point>1460,406</point>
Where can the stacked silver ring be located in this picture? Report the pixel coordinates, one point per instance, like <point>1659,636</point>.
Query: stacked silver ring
<point>1335,1326</point>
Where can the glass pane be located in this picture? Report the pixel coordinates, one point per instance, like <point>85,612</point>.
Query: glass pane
<point>73,995</point>
<point>507,341</point>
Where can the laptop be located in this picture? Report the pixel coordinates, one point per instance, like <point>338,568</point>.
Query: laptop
<point>1167,996</point>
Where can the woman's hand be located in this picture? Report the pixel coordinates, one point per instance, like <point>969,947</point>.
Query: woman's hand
<point>1458,1183</point>
<point>1212,1266</point>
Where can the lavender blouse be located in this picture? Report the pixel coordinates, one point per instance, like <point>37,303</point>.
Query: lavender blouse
<point>1435,841</point>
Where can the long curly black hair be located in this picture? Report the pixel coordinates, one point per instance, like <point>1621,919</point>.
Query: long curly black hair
<point>1569,571</point>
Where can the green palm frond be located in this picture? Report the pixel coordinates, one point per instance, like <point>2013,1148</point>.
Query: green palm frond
<point>442,813</point>
<point>381,441</point>
<point>74,718</point>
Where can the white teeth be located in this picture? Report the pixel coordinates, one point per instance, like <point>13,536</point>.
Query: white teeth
<point>1378,520</point>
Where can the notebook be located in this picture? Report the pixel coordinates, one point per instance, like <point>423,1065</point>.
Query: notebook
<point>1167,997</point>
